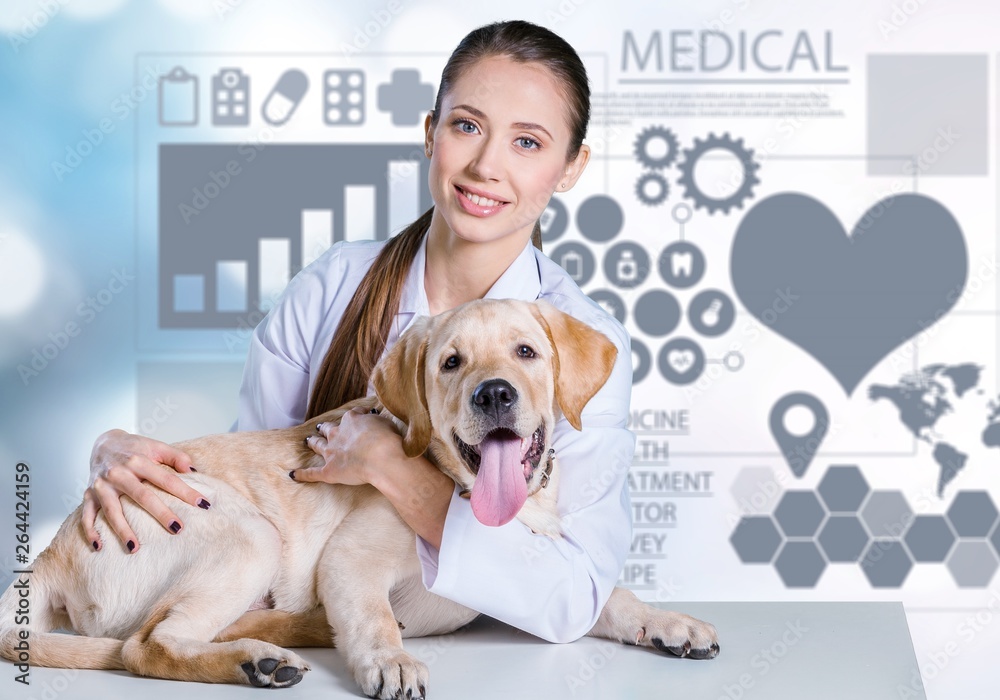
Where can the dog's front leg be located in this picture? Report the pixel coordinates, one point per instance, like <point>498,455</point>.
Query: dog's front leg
<point>627,619</point>
<point>357,572</point>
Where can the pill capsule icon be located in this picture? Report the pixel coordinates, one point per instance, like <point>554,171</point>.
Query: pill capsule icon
<point>285,96</point>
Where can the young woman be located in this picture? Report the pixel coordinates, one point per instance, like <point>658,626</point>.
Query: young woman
<point>506,133</point>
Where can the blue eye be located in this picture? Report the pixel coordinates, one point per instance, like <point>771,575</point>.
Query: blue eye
<point>528,143</point>
<point>462,123</point>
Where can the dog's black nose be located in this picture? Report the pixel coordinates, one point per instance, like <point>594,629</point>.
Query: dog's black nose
<point>494,397</point>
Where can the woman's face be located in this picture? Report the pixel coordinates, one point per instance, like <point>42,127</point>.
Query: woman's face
<point>499,149</point>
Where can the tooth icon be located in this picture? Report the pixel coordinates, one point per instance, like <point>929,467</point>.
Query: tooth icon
<point>681,263</point>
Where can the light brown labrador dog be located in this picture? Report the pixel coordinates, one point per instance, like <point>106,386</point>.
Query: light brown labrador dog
<point>301,564</point>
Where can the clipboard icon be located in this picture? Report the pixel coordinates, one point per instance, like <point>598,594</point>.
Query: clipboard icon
<point>178,96</point>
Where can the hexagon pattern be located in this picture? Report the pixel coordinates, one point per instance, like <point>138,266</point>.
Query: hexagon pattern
<point>843,538</point>
<point>886,563</point>
<point>884,536</point>
<point>799,513</point>
<point>843,489</point>
<point>800,564</point>
<point>972,564</point>
<point>929,538</point>
<point>756,539</point>
<point>886,514</point>
<point>972,513</point>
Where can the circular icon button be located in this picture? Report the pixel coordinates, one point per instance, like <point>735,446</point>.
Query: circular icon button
<point>681,361</point>
<point>576,259</point>
<point>657,313</point>
<point>610,302</point>
<point>626,264</point>
<point>554,220</point>
<point>642,360</point>
<point>682,264</point>
<point>711,312</point>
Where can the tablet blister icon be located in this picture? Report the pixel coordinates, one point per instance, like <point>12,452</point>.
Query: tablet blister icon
<point>344,97</point>
<point>285,96</point>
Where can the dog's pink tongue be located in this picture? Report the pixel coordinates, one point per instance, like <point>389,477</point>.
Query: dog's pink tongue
<point>500,489</point>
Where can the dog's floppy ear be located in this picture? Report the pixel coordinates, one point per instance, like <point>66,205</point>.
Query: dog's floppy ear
<point>583,359</point>
<point>399,385</point>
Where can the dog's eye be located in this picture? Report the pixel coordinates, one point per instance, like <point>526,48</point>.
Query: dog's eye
<point>452,362</point>
<point>525,351</point>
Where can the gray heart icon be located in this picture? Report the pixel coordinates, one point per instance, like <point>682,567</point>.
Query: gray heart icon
<point>848,300</point>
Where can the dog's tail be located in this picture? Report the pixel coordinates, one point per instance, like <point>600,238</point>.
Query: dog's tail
<point>30,609</point>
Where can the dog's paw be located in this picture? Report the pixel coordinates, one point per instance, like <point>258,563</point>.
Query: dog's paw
<point>677,634</point>
<point>391,673</point>
<point>277,670</point>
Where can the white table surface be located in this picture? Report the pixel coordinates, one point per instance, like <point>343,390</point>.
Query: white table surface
<point>770,651</point>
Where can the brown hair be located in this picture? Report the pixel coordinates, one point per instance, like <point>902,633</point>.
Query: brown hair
<point>361,335</point>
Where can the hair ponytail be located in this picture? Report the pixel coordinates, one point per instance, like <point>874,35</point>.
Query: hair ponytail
<point>361,335</point>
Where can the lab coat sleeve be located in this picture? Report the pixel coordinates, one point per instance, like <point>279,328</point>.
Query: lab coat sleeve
<point>275,387</point>
<point>554,589</point>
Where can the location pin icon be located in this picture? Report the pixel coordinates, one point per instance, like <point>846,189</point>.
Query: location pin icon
<point>799,450</point>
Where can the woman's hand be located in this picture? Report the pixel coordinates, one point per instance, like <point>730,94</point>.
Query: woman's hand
<point>366,449</point>
<point>119,464</point>
<point>351,449</point>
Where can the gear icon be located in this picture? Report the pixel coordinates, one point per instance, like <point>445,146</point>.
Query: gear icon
<point>651,181</point>
<point>651,135</point>
<point>742,154</point>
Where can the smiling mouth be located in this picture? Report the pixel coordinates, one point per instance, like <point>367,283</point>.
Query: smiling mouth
<point>480,201</point>
<point>531,449</point>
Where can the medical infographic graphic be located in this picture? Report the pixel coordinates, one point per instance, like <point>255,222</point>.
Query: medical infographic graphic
<point>798,261</point>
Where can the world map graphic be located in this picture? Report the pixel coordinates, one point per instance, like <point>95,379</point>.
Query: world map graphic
<point>924,397</point>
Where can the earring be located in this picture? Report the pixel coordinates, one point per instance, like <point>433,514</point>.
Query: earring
<point>428,150</point>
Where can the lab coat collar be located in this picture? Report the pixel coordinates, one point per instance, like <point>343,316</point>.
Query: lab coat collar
<point>519,281</point>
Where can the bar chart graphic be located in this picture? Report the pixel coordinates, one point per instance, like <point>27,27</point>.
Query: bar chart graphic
<point>236,222</point>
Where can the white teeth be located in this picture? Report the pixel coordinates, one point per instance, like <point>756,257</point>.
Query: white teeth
<point>479,201</point>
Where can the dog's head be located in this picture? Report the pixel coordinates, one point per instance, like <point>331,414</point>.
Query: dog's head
<point>481,386</point>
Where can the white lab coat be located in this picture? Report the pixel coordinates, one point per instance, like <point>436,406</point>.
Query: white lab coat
<point>553,589</point>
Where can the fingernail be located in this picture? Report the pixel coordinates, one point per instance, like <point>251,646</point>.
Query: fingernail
<point>291,475</point>
<point>204,504</point>
<point>307,440</point>
<point>96,546</point>
<point>131,545</point>
<point>319,427</point>
<point>175,526</point>
<point>193,469</point>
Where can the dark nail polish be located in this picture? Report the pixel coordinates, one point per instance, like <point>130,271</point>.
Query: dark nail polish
<point>291,475</point>
<point>193,469</point>
<point>204,504</point>
<point>96,546</point>
<point>175,526</point>
<point>131,545</point>
<point>319,427</point>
